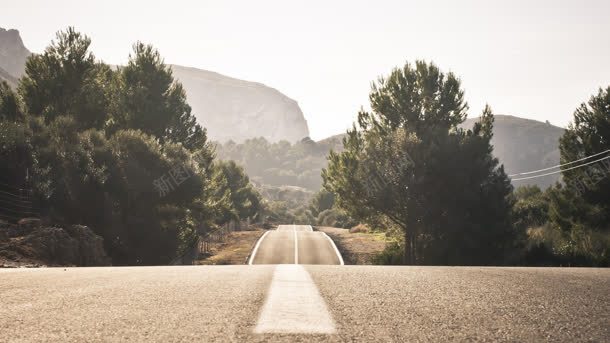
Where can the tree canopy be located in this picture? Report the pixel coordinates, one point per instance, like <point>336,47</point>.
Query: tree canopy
<point>153,102</point>
<point>408,161</point>
<point>118,150</point>
<point>66,80</point>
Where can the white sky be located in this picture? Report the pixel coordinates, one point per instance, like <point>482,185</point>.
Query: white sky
<point>533,59</point>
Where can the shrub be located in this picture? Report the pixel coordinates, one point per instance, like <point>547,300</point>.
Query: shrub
<point>335,218</point>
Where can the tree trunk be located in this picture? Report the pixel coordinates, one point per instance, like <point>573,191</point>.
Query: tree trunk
<point>414,250</point>
<point>408,253</point>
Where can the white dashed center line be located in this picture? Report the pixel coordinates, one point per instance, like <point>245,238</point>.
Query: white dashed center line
<point>296,246</point>
<point>294,304</point>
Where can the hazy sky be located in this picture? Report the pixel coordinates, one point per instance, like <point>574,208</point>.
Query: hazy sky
<point>534,59</point>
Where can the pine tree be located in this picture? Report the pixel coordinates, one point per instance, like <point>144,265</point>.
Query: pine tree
<point>581,208</point>
<point>410,163</point>
<point>66,80</point>
<point>153,102</point>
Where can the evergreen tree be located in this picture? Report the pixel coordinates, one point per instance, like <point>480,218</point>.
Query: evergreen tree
<point>15,135</point>
<point>410,163</point>
<point>589,134</point>
<point>11,108</point>
<point>153,102</point>
<point>581,208</point>
<point>66,80</point>
<point>244,198</point>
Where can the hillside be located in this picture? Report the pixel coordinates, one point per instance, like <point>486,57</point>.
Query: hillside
<point>230,109</point>
<point>10,79</point>
<point>524,145</point>
<point>279,164</point>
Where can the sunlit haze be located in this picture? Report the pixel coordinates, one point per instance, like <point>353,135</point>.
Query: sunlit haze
<point>536,60</point>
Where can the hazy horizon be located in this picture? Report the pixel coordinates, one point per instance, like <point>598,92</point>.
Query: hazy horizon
<point>537,61</point>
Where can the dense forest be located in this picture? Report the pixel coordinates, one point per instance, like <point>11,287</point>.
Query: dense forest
<point>281,163</point>
<point>117,150</point>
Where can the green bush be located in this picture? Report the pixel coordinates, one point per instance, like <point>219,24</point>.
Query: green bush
<point>548,246</point>
<point>336,218</point>
<point>393,254</point>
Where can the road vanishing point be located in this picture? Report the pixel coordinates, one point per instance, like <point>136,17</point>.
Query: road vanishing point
<point>295,288</point>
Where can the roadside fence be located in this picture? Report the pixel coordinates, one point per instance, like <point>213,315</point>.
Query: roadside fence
<point>206,239</point>
<point>16,203</point>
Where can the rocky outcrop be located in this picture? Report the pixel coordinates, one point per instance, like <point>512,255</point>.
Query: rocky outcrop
<point>31,244</point>
<point>233,109</point>
<point>12,53</point>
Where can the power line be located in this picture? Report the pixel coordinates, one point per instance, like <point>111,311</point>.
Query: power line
<point>559,171</point>
<point>16,196</point>
<point>559,165</point>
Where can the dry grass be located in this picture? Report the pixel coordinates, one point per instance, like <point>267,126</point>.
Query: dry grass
<point>234,250</point>
<point>360,228</point>
<point>358,247</point>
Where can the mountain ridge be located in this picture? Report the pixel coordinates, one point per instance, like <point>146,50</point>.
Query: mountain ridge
<point>229,108</point>
<point>263,111</point>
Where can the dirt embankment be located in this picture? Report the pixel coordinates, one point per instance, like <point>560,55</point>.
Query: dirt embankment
<point>358,247</point>
<point>234,250</point>
<point>33,245</point>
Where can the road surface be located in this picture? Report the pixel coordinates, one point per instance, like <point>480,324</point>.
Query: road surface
<point>295,244</point>
<point>291,302</point>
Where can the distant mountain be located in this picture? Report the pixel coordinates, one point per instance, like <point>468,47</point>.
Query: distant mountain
<point>230,109</point>
<point>233,109</point>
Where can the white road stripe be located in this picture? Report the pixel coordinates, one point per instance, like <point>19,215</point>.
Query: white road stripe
<point>335,247</point>
<point>310,228</point>
<point>294,304</point>
<point>296,246</point>
<point>256,247</point>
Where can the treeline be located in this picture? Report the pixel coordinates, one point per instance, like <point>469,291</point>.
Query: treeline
<point>281,163</point>
<point>409,168</point>
<point>118,150</point>
<point>569,223</point>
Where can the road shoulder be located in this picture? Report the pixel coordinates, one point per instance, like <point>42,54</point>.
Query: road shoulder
<point>355,248</point>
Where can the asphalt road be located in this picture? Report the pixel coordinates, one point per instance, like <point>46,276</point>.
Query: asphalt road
<point>304,303</point>
<point>295,244</point>
<point>302,292</point>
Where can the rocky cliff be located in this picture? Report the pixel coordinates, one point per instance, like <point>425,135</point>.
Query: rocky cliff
<point>12,54</point>
<point>233,109</point>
